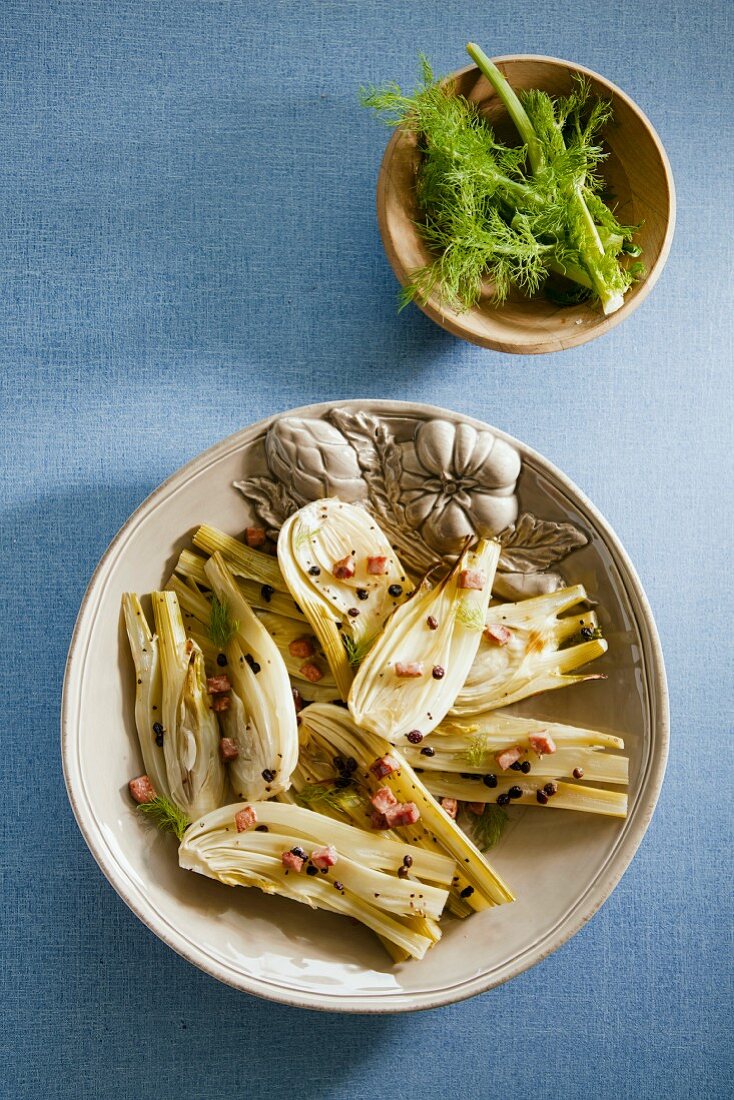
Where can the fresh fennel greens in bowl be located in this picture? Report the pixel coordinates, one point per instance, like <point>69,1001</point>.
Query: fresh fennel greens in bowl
<point>526,204</point>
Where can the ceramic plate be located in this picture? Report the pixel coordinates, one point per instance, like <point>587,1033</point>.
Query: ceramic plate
<point>446,474</point>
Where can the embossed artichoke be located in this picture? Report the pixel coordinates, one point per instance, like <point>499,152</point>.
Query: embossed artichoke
<point>313,460</point>
<point>458,481</point>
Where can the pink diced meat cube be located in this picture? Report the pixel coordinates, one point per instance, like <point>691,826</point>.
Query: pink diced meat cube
<point>344,568</point>
<point>292,862</point>
<point>405,813</point>
<point>218,684</point>
<point>142,789</point>
<point>386,765</point>
<point>311,672</point>
<point>220,703</point>
<point>507,757</point>
<point>497,634</point>
<point>542,743</point>
<point>228,749</point>
<point>301,647</point>
<point>377,566</point>
<point>255,536</point>
<point>324,857</point>
<point>472,578</point>
<point>383,799</point>
<point>408,669</point>
<point>245,819</point>
<point>451,806</point>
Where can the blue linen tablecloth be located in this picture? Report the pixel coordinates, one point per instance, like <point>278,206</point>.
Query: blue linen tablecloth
<point>189,244</point>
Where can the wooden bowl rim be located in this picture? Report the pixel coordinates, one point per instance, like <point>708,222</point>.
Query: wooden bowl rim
<point>449,319</point>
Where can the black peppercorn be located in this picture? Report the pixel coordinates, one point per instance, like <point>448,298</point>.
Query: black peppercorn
<point>467,892</point>
<point>402,872</point>
<point>525,767</point>
<point>407,861</point>
<point>489,780</point>
<point>339,763</point>
<point>299,853</point>
<point>353,612</point>
<point>222,660</point>
<point>252,663</point>
<point>395,590</point>
<point>578,773</point>
<point>342,782</point>
<point>351,765</point>
<point>338,885</point>
<point>311,870</point>
<point>542,797</point>
<point>438,672</point>
<point>261,829</point>
<point>516,767</point>
<point>503,799</point>
<point>268,775</point>
<point>314,570</point>
<point>432,623</point>
<point>157,727</point>
<point>415,737</point>
<point>266,592</point>
<point>428,751</point>
<point>362,594</point>
<point>551,789</point>
<point>515,792</point>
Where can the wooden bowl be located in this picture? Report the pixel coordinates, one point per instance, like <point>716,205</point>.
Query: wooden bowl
<point>636,171</point>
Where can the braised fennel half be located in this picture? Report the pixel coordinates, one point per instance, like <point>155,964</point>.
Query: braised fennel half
<point>510,216</point>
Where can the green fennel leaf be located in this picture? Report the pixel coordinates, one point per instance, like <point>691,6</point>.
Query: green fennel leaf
<point>166,816</point>
<point>222,627</point>
<point>486,828</point>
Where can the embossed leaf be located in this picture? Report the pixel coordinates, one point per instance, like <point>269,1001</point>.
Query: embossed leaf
<point>270,500</point>
<point>531,544</point>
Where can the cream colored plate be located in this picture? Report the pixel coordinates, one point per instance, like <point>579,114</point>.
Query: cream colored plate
<point>562,866</point>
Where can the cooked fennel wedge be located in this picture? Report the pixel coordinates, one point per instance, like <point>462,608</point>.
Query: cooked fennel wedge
<point>196,776</point>
<point>363,882</point>
<point>474,749</point>
<point>568,796</point>
<point>148,690</point>
<point>520,652</point>
<point>328,732</point>
<point>261,719</point>
<point>196,606</point>
<point>411,676</point>
<point>190,567</point>
<point>344,575</point>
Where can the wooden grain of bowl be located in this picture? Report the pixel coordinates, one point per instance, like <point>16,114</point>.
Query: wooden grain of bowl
<point>637,173</point>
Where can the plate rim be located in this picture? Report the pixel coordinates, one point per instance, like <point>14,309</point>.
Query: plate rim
<point>597,892</point>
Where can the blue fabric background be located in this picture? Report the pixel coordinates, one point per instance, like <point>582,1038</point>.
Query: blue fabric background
<point>188,244</point>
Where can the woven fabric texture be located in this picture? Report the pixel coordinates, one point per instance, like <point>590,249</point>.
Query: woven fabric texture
<point>189,243</point>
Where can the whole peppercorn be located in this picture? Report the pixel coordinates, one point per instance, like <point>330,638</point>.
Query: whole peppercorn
<point>432,622</point>
<point>428,751</point>
<point>362,594</point>
<point>415,737</point>
<point>407,861</point>
<point>402,872</point>
<point>438,672</point>
<point>395,590</point>
<point>503,799</point>
<point>525,767</point>
<point>542,797</point>
<point>489,780</point>
<point>266,592</point>
<point>353,612</point>
<point>515,792</point>
<point>222,660</point>
<point>551,789</point>
<point>578,773</point>
<point>314,570</point>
